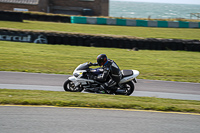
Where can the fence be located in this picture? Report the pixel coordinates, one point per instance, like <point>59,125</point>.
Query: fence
<point>131,22</point>
<point>11,16</point>
<point>50,18</point>
<point>18,16</point>
<point>94,40</point>
<point>98,41</point>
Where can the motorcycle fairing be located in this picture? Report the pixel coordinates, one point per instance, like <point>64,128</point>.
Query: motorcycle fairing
<point>129,78</point>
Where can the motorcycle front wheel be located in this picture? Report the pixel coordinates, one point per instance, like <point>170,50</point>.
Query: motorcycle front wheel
<point>70,86</point>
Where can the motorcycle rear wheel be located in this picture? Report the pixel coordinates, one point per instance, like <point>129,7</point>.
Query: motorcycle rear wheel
<point>129,88</point>
<point>70,86</point>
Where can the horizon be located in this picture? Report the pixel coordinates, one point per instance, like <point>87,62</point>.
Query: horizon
<point>191,2</point>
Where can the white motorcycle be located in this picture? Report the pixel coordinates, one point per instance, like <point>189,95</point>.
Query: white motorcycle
<point>80,81</point>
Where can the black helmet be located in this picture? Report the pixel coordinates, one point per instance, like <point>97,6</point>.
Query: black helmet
<point>101,59</point>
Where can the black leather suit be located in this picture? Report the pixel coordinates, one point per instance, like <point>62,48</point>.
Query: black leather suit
<point>111,71</point>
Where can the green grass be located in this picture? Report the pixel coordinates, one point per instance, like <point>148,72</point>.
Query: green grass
<point>144,32</point>
<point>63,59</point>
<point>67,99</point>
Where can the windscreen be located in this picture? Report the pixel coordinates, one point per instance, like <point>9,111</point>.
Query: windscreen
<point>83,66</point>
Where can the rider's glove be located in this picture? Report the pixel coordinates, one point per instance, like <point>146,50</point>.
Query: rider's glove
<point>90,64</point>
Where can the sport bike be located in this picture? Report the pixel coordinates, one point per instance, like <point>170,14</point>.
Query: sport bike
<point>80,81</point>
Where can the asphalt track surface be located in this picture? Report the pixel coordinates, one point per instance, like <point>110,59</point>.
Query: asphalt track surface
<point>21,119</point>
<point>29,119</point>
<point>54,82</point>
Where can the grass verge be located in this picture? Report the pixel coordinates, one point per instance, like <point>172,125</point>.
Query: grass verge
<point>68,99</point>
<point>144,32</point>
<point>63,59</point>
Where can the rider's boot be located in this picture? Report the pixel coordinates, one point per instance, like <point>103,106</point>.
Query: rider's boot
<point>104,89</point>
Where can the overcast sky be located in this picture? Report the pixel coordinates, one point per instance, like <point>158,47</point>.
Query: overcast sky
<point>167,1</point>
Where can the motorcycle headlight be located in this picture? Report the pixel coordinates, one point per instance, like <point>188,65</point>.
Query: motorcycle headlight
<point>76,74</point>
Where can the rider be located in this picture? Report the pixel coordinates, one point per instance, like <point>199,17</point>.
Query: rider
<point>110,69</point>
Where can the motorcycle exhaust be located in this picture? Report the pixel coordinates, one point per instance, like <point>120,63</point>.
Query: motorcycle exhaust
<point>91,90</point>
<point>120,92</point>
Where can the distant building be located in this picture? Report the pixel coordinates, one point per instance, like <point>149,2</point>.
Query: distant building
<point>72,7</point>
